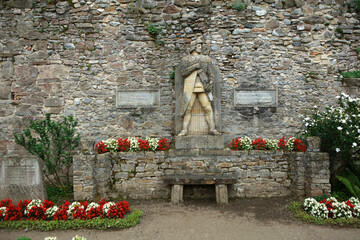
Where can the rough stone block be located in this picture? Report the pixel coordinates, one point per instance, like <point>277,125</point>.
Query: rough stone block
<point>177,192</point>
<point>5,92</point>
<point>199,142</point>
<point>21,178</point>
<point>53,102</point>
<point>221,192</point>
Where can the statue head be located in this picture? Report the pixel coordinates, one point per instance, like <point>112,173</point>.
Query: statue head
<point>196,46</point>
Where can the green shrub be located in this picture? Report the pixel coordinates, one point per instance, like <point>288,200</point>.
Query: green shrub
<point>350,178</point>
<point>53,142</point>
<point>338,129</point>
<point>354,74</point>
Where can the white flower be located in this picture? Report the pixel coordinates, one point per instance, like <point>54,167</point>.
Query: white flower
<point>50,238</point>
<point>78,238</point>
<point>307,119</point>
<point>315,106</point>
<point>337,149</point>
<point>51,211</point>
<point>343,121</point>
<point>339,128</point>
<point>3,210</point>
<point>92,205</point>
<point>354,144</point>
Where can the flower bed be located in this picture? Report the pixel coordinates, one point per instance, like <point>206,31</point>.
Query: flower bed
<point>132,144</point>
<point>245,143</point>
<point>93,215</point>
<point>332,208</point>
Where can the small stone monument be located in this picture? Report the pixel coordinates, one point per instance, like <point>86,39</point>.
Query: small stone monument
<point>21,178</point>
<point>197,108</point>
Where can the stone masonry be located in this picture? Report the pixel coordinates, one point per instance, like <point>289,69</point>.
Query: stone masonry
<point>258,173</point>
<point>70,57</point>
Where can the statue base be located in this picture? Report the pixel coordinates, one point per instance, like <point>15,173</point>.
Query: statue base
<point>199,142</point>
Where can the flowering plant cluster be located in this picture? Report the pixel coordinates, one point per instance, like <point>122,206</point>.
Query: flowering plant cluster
<point>332,208</point>
<point>132,144</point>
<point>338,127</point>
<point>245,143</point>
<point>46,210</point>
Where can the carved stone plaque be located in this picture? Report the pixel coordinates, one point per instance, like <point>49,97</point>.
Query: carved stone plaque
<point>137,98</point>
<point>255,98</point>
<point>21,178</point>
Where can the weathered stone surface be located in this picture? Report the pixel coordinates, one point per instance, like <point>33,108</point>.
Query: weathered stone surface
<point>171,9</point>
<point>282,172</point>
<point>199,142</point>
<point>21,178</point>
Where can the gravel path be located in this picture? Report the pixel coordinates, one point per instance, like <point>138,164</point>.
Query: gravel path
<point>204,219</point>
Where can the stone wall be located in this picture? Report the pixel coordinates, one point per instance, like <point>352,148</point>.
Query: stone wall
<point>258,173</point>
<point>66,58</point>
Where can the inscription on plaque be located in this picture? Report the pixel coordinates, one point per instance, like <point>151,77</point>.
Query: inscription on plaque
<point>137,98</point>
<point>255,98</point>
<point>21,178</point>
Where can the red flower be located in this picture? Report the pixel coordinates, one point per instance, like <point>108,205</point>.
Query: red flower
<point>12,213</point>
<point>299,146</point>
<point>143,145</point>
<point>101,147</point>
<point>163,144</point>
<point>235,144</point>
<point>119,210</point>
<point>259,144</point>
<point>123,145</point>
<point>5,203</point>
<point>282,143</point>
<point>36,213</point>
<point>95,212</point>
<point>61,213</point>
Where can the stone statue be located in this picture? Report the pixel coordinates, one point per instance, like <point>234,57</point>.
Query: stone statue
<point>197,81</point>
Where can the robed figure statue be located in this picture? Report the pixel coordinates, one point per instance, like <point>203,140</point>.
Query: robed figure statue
<point>197,94</point>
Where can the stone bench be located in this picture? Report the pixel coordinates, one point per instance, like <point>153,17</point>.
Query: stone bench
<point>220,182</point>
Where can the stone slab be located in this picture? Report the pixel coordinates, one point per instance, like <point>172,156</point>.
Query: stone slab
<point>255,98</point>
<point>199,179</point>
<point>21,178</point>
<point>137,98</point>
<point>199,142</point>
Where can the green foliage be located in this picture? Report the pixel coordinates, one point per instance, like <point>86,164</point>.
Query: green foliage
<point>322,197</point>
<point>357,5</point>
<point>337,127</point>
<point>339,30</point>
<point>297,209</point>
<point>340,195</point>
<point>105,223</point>
<point>23,238</point>
<point>350,177</point>
<point>153,30</point>
<point>53,142</point>
<point>172,73</point>
<point>354,74</point>
<point>59,194</point>
<point>239,5</point>
<point>357,50</point>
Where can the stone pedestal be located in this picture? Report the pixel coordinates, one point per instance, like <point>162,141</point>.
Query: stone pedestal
<point>177,193</point>
<point>221,193</point>
<point>199,142</point>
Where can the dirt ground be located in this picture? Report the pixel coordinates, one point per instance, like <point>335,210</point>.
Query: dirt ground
<point>204,219</point>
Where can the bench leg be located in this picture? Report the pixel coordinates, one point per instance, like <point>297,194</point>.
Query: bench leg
<point>177,193</point>
<point>221,193</point>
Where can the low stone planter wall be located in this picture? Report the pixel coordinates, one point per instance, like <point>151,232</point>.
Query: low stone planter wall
<point>259,173</point>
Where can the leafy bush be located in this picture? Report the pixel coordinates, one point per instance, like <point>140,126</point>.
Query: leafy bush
<point>53,142</point>
<point>354,74</point>
<point>350,177</point>
<point>338,127</point>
